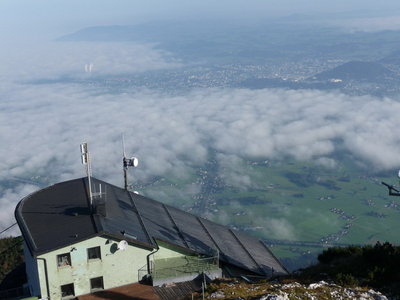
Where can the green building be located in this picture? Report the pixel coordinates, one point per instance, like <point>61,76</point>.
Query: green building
<point>76,244</point>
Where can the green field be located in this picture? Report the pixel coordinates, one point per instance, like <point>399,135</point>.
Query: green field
<point>316,202</point>
<point>294,201</point>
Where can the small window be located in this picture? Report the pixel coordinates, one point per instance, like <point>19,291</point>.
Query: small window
<point>67,290</point>
<point>94,253</point>
<point>96,284</point>
<point>63,260</point>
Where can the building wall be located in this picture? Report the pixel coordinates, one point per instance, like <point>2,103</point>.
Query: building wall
<point>169,251</point>
<point>31,271</point>
<point>117,267</point>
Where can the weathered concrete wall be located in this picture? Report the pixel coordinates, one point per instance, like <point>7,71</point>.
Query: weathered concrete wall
<point>115,266</point>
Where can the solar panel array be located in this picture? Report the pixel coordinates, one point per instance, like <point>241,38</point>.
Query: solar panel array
<point>235,253</point>
<point>192,231</point>
<point>258,252</point>
<point>66,207</point>
<point>200,235</point>
<point>122,216</point>
<point>157,221</point>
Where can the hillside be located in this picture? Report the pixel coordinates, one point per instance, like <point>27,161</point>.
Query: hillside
<point>342,273</point>
<point>11,256</point>
<point>287,290</point>
<point>356,71</point>
<point>392,59</point>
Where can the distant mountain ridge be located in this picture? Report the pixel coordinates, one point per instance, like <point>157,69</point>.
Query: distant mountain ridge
<point>102,33</point>
<point>154,31</point>
<point>272,52</point>
<point>357,71</point>
<point>393,59</point>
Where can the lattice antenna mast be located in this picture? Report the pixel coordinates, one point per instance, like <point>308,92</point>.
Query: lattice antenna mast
<point>86,162</point>
<point>126,163</point>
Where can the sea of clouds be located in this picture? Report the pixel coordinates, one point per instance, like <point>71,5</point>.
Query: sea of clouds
<point>42,124</point>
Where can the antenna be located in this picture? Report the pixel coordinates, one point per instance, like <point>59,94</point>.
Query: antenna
<point>392,190</point>
<point>126,163</point>
<point>85,157</point>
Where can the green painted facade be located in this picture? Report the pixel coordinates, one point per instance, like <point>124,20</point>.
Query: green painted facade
<point>116,267</point>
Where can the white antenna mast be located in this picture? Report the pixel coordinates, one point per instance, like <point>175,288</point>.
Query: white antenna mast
<point>86,162</point>
<point>123,146</point>
<point>126,163</point>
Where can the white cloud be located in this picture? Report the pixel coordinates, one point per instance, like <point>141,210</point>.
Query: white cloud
<point>277,228</point>
<point>42,125</point>
<point>231,170</point>
<point>9,198</point>
<point>54,60</point>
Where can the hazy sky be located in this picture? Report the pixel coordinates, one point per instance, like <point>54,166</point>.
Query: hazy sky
<point>57,17</point>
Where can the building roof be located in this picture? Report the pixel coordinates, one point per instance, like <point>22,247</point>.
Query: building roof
<point>60,215</point>
<point>131,291</point>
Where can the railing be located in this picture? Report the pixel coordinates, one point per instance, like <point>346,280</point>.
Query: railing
<point>142,273</point>
<point>183,266</point>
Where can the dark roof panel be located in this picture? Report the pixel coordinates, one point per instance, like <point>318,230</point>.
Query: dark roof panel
<point>60,215</point>
<point>121,216</point>
<point>234,251</point>
<point>157,220</point>
<point>194,234</point>
<point>258,251</point>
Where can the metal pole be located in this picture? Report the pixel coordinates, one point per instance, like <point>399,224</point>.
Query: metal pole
<point>125,176</point>
<point>86,161</point>
<point>124,163</point>
<point>89,173</point>
<point>46,276</point>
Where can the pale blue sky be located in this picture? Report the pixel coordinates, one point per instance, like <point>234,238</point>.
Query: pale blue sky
<point>57,17</point>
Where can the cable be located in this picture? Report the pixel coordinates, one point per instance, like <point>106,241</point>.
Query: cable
<point>8,227</point>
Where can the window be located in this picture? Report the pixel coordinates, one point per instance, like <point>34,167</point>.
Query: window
<point>63,260</point>
<point>94,253</point>
<point>96,284</point>
<point>67,290</point>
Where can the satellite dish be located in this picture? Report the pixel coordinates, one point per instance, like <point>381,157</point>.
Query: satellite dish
<point>131,162</point>
<point>398,175</point>
<point>122,245</point>
<point>134,161</point>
